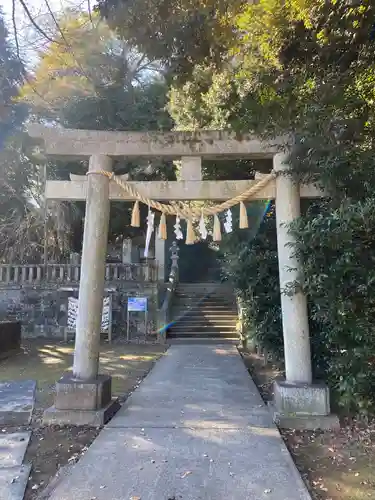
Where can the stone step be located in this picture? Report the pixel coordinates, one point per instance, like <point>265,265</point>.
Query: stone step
<point>185,309</point>
<point>203,340</point>
<point>213,290</point>
<point>194,318</point>
<point>203,320</point>
<point>197,298</point>
<point>201,334</point>
<point>203,310</point>
<point>207,294</point>
<point>183,320</point>
<point>204,289</point>
<point>176,313</point>
<point>204,293</point>
<point>201,326</point>
<point>205,314</point>
<point>206,284</point>
<point>195,330</point>
<point>203,303</point>
<point>205,300</point>
<point>196,293</point>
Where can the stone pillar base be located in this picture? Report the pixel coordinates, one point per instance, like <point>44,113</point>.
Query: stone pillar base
<point>302,406</point>
<point>78,402</point>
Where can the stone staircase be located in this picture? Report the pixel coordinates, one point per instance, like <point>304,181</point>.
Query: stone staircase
<point>203,311</point>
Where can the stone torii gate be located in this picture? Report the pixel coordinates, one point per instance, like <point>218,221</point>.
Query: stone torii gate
<point>84,397</point>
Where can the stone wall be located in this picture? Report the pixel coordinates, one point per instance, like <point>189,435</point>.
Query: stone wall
<point>42,309</point>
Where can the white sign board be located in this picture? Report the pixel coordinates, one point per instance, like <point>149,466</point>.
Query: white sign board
<point>106,314</point>
<point>137,304</point>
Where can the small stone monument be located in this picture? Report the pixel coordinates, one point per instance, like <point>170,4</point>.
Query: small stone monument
<point>136,258</point>
<point>130,252</point>
<point>75,259</point>
<point>127,251</point>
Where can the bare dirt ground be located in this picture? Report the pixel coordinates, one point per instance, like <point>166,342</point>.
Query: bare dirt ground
<point>335,466</point>
<point>52,447</point>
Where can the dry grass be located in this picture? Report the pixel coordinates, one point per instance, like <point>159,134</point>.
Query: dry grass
<point>45,361</point>
<point>335,466</point>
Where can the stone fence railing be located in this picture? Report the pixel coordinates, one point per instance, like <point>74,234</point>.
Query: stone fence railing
<point>33,274</point>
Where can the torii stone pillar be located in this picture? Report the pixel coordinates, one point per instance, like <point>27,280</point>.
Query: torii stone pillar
<point>84,397</point>
<point>298,403</point>
<point>91,286</point>
<point>294,306</point>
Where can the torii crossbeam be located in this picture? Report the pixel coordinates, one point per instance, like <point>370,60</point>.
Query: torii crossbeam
<point>191,147</point>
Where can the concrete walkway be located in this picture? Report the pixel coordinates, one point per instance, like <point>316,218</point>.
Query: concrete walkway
<point>195,429</point>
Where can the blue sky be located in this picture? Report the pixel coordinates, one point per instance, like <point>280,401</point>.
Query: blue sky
<point>29,40</point>
<point>37,7</point>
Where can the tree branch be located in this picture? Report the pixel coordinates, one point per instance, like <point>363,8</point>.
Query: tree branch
<point>32,20</point>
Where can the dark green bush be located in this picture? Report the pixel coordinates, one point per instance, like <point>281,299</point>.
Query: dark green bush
<point>337,250</point>
<point>249,260</point>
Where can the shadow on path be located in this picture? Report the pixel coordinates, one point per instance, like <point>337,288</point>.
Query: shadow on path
<point>195,429</point>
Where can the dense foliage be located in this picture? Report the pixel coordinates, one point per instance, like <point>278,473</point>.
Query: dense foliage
<point>18,175</point>
<point>178,33</point>
<point>337,249</point>
<point>303,68</point>
<point>88,78</point>
<point>11,77</point>
<point>298,68</point>
<point>254,274</point>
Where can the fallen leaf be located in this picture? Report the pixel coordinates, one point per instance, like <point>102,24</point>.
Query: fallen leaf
<point>185,474</point>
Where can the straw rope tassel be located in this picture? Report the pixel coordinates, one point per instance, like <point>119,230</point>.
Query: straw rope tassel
<point>217,229</point>
<point>190,235</point>
<point>136,218</point>
<point>244,221</point>
<point>162,232</point>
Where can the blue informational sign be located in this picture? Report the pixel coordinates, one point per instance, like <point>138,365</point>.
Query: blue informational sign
<point>137,304</point>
